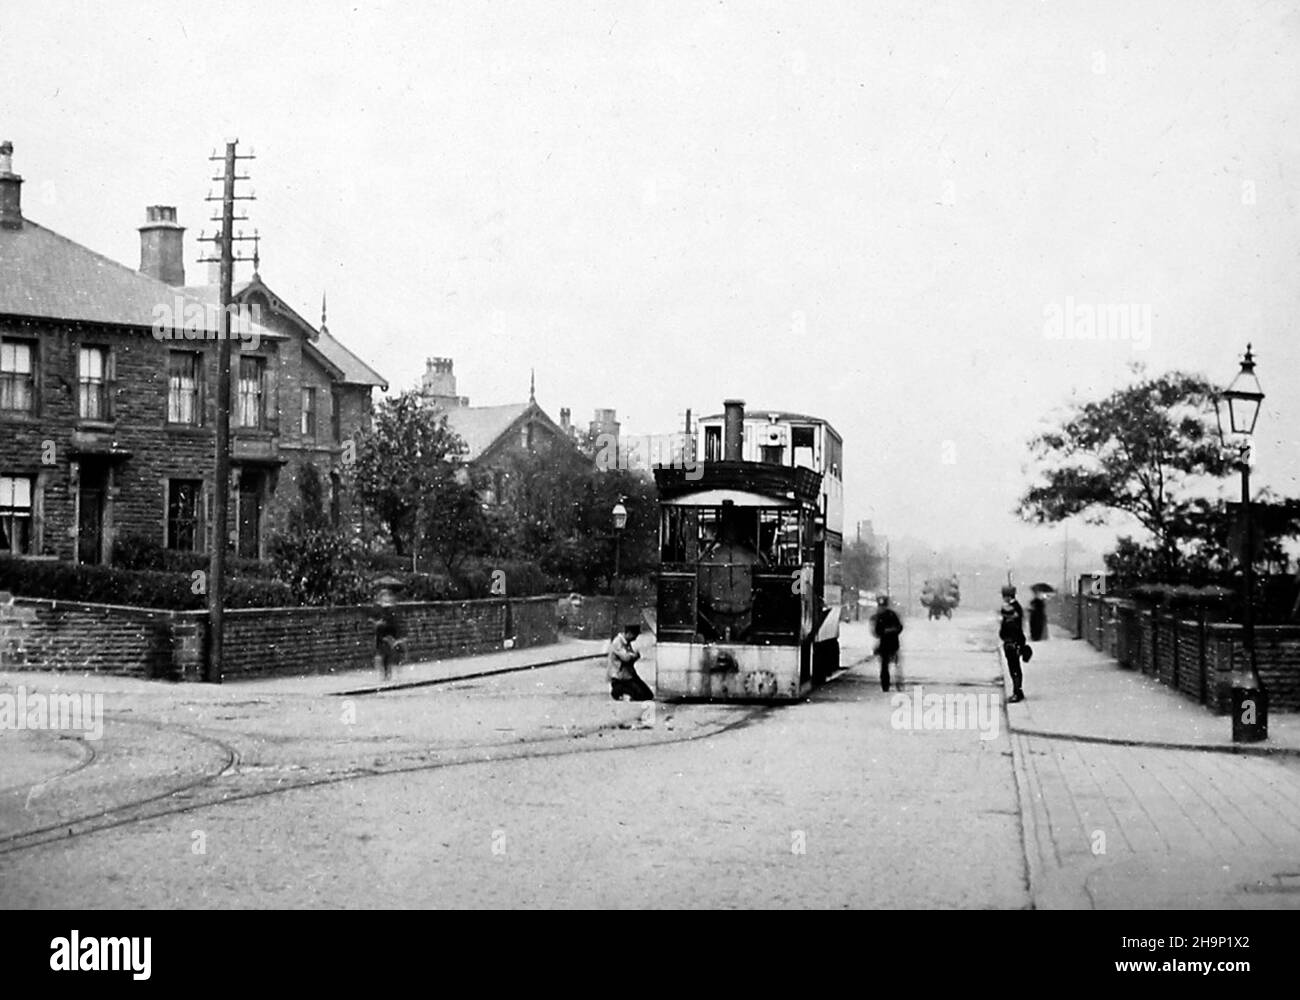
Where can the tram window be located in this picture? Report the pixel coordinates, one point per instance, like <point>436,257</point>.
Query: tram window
<point>672,537</point>
<point>713,444</point>
<point>779,536</point>
<point>708,528</point>
<point>802,443</point>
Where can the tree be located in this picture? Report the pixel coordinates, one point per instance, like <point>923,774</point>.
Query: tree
<point>861,566</point>
<point>1138,451</point>
<point>556,510</point>
<point>456,526</point>
<point>318,562</point>
<point>404,463</point>
<point>1207,534</point>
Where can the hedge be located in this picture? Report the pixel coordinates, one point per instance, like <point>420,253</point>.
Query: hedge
<point>66,581</point>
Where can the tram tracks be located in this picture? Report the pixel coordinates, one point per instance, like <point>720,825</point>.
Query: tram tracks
<point>228,784</point>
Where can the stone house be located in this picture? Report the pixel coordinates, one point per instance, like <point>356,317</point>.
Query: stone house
<point>108,382</point>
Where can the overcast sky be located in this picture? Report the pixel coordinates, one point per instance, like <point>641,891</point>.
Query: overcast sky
<point>864,211</point>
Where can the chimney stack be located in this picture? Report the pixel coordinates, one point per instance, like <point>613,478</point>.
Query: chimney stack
<point>733,430</point>
<point>439,383</point>
<point>565,416</point>
<point>11,196</point>
<point>160,245</point>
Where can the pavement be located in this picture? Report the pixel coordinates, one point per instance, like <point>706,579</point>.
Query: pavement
<point>1133,796</point>
<point>407,675</point>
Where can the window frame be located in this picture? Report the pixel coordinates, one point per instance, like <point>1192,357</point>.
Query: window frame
<point>33,374</point>
<point>104,383</point>
<point>195,521</point>
<point>307,422</point>
<point>8,515</point>
<point>240,395</point>
<point>196,358</point>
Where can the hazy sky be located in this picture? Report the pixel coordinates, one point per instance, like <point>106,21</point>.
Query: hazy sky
<point>860,210</point>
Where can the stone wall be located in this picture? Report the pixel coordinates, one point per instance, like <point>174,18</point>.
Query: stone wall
<point>96,638</point>
<point>40,634</point>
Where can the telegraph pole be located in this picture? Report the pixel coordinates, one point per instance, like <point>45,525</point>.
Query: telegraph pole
<point>224,239</point>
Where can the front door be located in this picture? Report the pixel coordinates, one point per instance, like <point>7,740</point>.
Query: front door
<point>90,516</point>
<point>250,516</point>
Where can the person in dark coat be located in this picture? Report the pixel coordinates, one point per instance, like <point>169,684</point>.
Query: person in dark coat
<point>887,627</point>
<point>1011,630</point>
<point>1038,618</point>
<point>389,631</point>
<point>624,682</point>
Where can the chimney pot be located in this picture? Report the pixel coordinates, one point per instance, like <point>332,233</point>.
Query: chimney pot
<point>11,196</point>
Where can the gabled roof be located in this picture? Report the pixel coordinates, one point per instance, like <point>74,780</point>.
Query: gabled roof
<point>480,427</point>
<point>48,276</point>
<point>346,366</point>
<point>483,427</point>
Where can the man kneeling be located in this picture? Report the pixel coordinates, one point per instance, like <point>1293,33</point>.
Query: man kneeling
<point>624,684</point>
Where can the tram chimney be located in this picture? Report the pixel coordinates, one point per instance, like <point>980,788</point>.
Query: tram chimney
<point>733,433</point>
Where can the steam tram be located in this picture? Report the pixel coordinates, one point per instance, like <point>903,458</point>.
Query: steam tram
<point>748,602</point>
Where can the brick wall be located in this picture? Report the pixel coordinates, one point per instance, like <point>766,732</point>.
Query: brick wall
<point>57,635</point>
<point>95,638</point>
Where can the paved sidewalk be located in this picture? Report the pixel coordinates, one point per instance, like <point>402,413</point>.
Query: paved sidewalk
<point>431,672</point>
<point>1074,690</point>
<point>1134,797</point>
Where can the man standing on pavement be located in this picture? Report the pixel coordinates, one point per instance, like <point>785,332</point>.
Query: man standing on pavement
<point>624,684</point>
<point>887,626</point>
<point>1011,631</point>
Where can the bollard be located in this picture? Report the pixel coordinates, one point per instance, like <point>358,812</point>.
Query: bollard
<point>1249,711</point>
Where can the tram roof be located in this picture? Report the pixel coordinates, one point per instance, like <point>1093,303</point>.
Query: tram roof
<point>804,418</point>
<point>782,483</point>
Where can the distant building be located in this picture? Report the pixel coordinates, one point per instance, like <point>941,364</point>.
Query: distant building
<point>494,435</point>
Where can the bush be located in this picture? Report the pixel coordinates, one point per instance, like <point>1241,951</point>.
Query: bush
<point>319,566</point>
<point>141,552</point>
<point>65,581</point>
<point>521,578</point>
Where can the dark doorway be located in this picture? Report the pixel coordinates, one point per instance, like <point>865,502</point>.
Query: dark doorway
<point>250,515</point>
<point>90,516</point>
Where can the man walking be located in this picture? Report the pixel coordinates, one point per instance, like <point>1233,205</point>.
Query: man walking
<point>1011,631</point>
<point>624,684</point>
<point>887,626</point>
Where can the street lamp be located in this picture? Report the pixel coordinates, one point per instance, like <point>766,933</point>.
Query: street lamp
<point>620,522</point>
<point>1242,400</point>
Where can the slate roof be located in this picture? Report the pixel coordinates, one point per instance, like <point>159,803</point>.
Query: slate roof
<point>480,426</point>
<point>351,368</point>
<point>48,276</point>
<point>45,275</point>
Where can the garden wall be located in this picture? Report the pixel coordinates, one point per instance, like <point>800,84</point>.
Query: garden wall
<point>38,634</point>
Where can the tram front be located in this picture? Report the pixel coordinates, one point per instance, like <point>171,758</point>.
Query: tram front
<point>738,601</point>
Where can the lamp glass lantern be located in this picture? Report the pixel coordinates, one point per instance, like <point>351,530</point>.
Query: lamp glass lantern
<point>620,516</point>
<point>1242,399</point>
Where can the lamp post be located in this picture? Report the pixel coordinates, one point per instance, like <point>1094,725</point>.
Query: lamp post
<point>1242,400</point>
<point>619,514</point>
